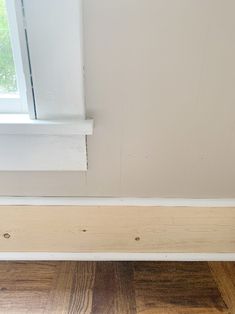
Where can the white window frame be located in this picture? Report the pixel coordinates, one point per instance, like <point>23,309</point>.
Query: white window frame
<point>52,137</point>
<point>14,103</point>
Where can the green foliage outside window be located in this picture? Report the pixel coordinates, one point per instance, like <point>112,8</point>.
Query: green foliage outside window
<point>7,69</point>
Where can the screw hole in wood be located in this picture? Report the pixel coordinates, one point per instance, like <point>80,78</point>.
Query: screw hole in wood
<point>6,235</point>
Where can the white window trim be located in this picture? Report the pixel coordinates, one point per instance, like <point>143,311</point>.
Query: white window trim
<point>51,143</point>
<point>43,145</point>
<point>14,124</point>
<point>11,103</point>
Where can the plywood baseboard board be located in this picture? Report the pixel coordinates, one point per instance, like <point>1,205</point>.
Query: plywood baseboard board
<point>98,231</point>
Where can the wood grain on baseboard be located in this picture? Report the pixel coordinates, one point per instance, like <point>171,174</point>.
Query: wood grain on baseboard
<point>117,229</point>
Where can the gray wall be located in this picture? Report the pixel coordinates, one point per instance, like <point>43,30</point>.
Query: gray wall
<point>160,78</point>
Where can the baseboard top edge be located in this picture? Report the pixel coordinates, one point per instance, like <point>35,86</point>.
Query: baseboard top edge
<point>109,201</point>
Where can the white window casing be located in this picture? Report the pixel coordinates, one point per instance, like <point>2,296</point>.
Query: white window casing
<point>54,31</point>
<point>53,136</point>
<point>15,103</point>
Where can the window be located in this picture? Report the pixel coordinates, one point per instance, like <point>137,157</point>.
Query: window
<point>42,77</point>
<point>12,81</point>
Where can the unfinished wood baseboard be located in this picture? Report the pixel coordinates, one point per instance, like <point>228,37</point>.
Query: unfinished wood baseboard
<point>112,229</point>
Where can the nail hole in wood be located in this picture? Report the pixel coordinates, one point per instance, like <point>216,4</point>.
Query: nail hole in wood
<point>7,235</point>
<point>84,230</point>
<point>137,239</point>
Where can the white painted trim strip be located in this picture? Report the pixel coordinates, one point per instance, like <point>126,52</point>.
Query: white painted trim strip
<point>16,256</point>
<point>94,201</point>
<point>22,124</point>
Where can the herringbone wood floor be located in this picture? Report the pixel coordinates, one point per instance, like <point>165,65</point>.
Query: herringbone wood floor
<point>117,287</point>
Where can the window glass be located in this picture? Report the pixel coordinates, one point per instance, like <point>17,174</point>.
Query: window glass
<point>8,83</point>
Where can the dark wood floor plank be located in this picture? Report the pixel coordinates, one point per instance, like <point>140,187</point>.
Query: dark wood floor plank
<point>125,300</point>
<point>176,288</point>
<point>224,275</point>
<point>113,289</point>
<point>58,301</point>
<point>82,289</point>
<point>25,286</point>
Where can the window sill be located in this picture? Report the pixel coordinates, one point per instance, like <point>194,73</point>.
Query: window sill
<point>43,145</point>
<point>21,124</point>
